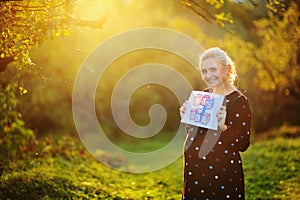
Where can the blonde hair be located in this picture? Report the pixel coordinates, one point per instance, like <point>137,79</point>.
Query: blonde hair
<point>222,57</point>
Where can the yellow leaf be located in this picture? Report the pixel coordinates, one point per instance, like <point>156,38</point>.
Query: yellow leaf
<point>67,33</point>
<point>23,90</point>
<point>57,34</point>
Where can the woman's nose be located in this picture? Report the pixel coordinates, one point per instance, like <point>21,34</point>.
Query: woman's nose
<point>208,75</point>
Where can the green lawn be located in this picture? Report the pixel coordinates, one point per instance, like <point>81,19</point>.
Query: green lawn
<point>271,172</point>
<point>272,169</point>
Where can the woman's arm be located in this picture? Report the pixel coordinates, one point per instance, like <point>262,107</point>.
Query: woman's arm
<point>238,122</point>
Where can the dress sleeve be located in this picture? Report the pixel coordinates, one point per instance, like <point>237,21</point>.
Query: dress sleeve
<point>238,121</point>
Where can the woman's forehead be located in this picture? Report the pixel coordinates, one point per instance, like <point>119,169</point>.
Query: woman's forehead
<point>209,62</point>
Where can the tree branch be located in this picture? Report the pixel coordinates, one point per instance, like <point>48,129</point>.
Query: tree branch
<point>4,63</point>
<point>190,5</point>
<point>253,3</point>
<point>200,6</point>
<point>198,13</point>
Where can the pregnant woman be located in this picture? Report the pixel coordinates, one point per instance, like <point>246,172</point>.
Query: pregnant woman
<point>219,173</point>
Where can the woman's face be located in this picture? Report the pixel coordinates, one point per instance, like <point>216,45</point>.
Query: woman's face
<point>213,73</point>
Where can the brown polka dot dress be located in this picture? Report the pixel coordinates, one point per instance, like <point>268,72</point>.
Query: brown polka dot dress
<point>218,174</point>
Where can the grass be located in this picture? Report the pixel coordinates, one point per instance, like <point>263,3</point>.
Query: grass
<point>57,178</point>
<point>271,172</point>
<point>272,169</point>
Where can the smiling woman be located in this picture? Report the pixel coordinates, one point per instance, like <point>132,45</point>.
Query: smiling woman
<point>216,63</point>
<point>219,174</point>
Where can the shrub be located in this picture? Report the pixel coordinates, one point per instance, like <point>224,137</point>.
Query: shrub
<point>14,136</point>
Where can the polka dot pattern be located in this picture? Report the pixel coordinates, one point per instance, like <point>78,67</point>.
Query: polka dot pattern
<point>219,174</point>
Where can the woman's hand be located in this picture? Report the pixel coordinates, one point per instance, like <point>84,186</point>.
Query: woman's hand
<point>221,116</point>
<point>182,109</point>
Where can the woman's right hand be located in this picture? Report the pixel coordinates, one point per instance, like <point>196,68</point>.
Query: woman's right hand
<point>182,109</point>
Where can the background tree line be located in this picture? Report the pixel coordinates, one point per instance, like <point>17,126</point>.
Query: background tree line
<point>43,44</point>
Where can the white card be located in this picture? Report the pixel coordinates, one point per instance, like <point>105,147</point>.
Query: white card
<point>202,109</point>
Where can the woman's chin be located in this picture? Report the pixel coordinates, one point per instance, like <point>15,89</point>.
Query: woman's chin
<point>214,85</point>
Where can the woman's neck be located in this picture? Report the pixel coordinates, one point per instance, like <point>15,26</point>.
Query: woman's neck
<point>224,89</point>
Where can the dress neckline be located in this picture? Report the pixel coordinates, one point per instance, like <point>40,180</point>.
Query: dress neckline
<point>227,95</point>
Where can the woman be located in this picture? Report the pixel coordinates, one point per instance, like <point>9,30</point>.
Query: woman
<point>219,173</point>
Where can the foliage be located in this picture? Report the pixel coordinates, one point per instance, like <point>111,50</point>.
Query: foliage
<point>278,73</point>
<point>212,12</point>
<point>224,12</point>
<point>271,71</point>
<point>50,104</point>
<point>277,7</point>
<point>27,23</point>
<point>24,24</point>
<point>14,136</point>
<point>50,100</point>
<point>237,16</point>
<point>271,172</point>
<point>284,131</point>
<point>48,176</point>
<point>60,70</point>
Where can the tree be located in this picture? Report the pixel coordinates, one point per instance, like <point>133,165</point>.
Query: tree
<point>269,68</point>
<point>271,59</point>
<point>278,69</point>
<point>25,24</point>
<point>237,16</point>
<point>208,10</point>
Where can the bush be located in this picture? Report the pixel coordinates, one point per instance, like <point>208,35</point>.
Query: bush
<point>284,131</point>
<point>14,136</point>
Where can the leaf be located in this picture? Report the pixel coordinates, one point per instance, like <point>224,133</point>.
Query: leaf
<point>67,32</point>
<point>57,34</point>
<point>22,90</point>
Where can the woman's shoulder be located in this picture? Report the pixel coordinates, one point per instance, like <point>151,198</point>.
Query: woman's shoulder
<point>236,95</point>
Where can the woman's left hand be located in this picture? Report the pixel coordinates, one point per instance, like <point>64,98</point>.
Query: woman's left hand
<point>221,116</point>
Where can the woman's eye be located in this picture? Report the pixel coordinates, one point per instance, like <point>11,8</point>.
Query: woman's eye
<point>203,71</point>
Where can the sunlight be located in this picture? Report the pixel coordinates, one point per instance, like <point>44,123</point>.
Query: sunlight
<point>96,86</point>
<point>92,9</point>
